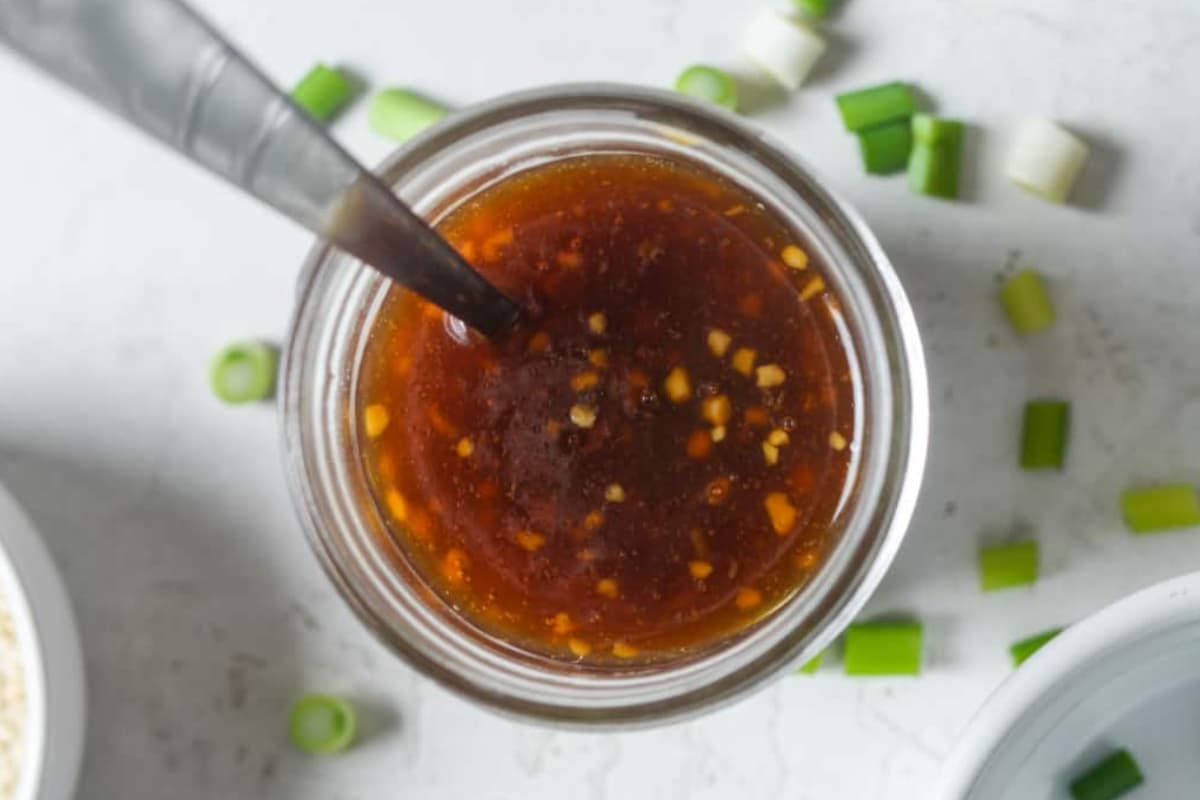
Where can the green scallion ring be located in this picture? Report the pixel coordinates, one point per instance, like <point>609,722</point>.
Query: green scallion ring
<point>244,372</point>
<point>1004,566</point>
<point>708,83</point>
<point>1111,778</point>
<point>322,723</point>
<point>1022,650</point>
<point>400,114</point>
<point>883,648</point>
<point>1027,302</point>
<point>1160,508</point>
<point>322,92</point>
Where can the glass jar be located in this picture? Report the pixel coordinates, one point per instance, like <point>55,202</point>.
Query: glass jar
<point>339,298</point>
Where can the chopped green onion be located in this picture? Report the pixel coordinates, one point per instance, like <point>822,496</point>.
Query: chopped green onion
<point>1006,565</point>
<point>785,50</point>
<point>936,158</point>
<point>708,83</point>
<point>883,648</point>
<point>885,148</point>
<point>322,723</point>
<point>1109,779</point>
<point>1160,508</point>
<point>322,92</point>
<point>400,114</point>
<point>812,665</point>
<point>1027,303</point>
<point>1022,650</point>
<point>814,9</point>
<point>1045,159</point>
<point>1044,434</point>
<point>876,105</point>
<point>928,129</point>
<point>244,372</point>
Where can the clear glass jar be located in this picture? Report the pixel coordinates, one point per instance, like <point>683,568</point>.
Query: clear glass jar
<point>339,297</point>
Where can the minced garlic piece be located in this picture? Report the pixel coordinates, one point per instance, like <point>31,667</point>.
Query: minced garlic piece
<point>584,380</point>
<point>716,410</point>
<point>623,650</point>
<point>375,420</point>
<point>615,493</point>
<point>528,540</point>
<point>812,289</point>
<point>677,385</point>
<point>781,511</point>
<point>583,416</point>
<point>770,453</point>
<point>597,323</point>
<point>769,375</point>
<point>700,569</point>
<point>718,342</point>
<point>606,587</point>
<point>743,360</point>
<point>562,624</point>
<point>837,441</point>
<point>778,437</point>
<point>465,447</point>
<point>794,257</point>
<point>396,504</point>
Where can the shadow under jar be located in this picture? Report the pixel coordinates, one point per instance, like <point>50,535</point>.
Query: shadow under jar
<point>685,475</point>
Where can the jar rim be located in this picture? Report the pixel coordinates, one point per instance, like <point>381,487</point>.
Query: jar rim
<point>361,577</point>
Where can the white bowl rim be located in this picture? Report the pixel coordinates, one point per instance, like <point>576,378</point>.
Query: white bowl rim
<point>1160,607</point>
<point>51,659</point>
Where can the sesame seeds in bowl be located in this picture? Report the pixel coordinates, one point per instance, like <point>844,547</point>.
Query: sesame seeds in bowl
<point>12,705</point>
<point>41,668</point>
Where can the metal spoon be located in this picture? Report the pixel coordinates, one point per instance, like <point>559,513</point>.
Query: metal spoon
<point>163,68</point>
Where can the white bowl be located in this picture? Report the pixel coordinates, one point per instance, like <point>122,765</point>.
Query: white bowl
<point>1128,676</point>
<point>52,662</point>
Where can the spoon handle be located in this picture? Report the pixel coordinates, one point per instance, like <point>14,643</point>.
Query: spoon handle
<point>167,71</point>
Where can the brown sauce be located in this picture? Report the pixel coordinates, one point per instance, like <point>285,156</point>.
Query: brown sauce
<point>655,462</point>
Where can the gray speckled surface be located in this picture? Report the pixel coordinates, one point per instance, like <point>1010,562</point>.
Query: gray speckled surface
<point>203,612</point>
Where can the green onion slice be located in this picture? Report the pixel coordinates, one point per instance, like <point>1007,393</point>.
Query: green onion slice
<point>244,372</point>
<point>1160,508</point>
<point>1111,778</point>
<point>1045,159</point>
<point>1044,434</point>
<point>785,50</point>
<point>814,9</point>
<point>931,130</point>
<point>883,648</point>
<point>885,148</point>
<point>875,105</point>
<point>322,723</point>
<point>322,92</point>
<point>936,160</point>
<point>1022,650</point>
<point>400,114</point>
<point>708,83</point>
<point>1006,565</point>
<point>811,666</point>
<point>1027,303</point>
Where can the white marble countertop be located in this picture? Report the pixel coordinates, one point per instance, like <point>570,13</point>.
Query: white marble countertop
<point>203,612</point>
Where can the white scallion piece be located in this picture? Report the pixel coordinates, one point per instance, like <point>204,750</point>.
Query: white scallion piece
<point>1045,159</point>
<point>784,49</point>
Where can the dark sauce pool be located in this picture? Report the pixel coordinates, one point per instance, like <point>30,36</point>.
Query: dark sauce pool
<point>652,465</point>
